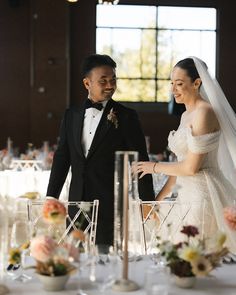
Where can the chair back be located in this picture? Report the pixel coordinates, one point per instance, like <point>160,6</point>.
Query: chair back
<point>21,165</point>
<point>85,215</point>
<point>165,219</point>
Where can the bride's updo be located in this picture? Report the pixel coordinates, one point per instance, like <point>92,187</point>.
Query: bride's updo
<point>188,65</point>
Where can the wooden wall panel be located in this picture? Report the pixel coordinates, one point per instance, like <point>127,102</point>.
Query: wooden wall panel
<point>42,45</point>
<point>14,73</point>
<point>49,68</point>
<point>227,49</point>
<point>34,70</point>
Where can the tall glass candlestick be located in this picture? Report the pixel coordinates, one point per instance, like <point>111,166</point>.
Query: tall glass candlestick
<point>126,190</point>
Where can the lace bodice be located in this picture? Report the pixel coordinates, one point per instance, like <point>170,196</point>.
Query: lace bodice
<point>208,191</point>
<point>182,140</point>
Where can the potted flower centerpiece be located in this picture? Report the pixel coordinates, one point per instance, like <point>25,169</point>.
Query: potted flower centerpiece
<point>54,261</point>
<point>193,257</point>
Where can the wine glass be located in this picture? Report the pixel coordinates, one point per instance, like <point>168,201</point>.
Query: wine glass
<point>84,263</point>
<point>157,279</point>
<point>103,269</point>
<point>20,237</point>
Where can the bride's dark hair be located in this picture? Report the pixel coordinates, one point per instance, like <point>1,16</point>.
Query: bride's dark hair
<point>188,65</point>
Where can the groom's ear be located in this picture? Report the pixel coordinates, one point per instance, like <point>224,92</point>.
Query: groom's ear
<point>197,83</point>
<point>86,83</point>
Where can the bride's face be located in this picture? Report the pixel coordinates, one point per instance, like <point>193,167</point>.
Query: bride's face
<point>181,85</point>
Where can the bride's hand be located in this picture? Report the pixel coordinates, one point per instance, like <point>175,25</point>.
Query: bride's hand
<point>145,168</point>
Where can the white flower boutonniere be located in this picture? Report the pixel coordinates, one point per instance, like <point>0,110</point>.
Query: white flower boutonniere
<point>112,118</point>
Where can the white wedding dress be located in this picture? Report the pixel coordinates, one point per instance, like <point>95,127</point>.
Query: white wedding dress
<point>208,191</point>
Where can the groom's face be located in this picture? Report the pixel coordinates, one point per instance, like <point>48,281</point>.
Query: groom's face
<point>100,83</point>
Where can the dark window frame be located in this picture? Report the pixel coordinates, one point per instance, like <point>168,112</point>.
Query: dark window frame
<point>157,105</point>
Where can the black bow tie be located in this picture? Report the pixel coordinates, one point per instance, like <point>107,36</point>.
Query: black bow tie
<point>96,105</point>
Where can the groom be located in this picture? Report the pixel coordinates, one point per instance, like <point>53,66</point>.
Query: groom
<point>89,138</point>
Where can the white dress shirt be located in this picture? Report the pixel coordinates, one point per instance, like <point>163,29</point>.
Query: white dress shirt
<point>92,118</point>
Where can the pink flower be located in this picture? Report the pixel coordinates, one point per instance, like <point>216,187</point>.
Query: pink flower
<point>42,248</point>
<point>72,251</point>
<point>230,216</point>
<point>54,211</point>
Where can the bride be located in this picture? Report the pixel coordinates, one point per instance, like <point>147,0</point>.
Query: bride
<point>206,133</point>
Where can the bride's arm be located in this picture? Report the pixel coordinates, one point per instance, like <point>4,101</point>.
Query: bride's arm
<point>167,188</point>
<point>189,166</point>
<point>203,123</point>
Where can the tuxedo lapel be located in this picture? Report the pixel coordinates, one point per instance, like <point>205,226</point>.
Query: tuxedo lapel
<point>77,129</point>
<point>102,128</point>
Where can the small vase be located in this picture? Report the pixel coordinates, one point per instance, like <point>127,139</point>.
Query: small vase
<point>185,282</point>
<point>53,283</point>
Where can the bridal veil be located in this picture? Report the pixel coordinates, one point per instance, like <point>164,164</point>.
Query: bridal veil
<point>211,91</point>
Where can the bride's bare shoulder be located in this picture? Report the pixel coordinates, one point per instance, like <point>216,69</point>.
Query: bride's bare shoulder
<point>205,119</point>
<point>205,111</point>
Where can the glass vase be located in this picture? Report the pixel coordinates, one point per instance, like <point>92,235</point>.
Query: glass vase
<point>3,241</point>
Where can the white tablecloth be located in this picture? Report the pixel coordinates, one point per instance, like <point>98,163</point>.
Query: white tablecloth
<point>222,282</point>
<point>16,183</point>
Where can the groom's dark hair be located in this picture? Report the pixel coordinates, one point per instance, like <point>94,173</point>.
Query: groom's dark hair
<point>96,60</point>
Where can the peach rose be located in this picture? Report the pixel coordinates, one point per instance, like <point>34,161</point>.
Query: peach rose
<point>42,248</point>
<point>78,234</point>
<point>230,216</point>
<point>54,211</point>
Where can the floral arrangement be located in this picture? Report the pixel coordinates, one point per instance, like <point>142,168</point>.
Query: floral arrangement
<point>52,258</point>
<point>230,216</point>
<point>112,118</point>
<point>193,257</point>
<point>15,254</point>
<point>54,212</point>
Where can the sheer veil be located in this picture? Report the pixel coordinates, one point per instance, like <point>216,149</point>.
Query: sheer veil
<point>212,92</point>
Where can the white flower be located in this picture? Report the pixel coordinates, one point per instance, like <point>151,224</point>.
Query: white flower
<point>112,118</point>
<point>201,266</point>
<point>166,247</point>
<point>189,253</point>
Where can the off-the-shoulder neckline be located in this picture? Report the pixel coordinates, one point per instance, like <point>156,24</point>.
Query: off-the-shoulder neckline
<point>190,131</point>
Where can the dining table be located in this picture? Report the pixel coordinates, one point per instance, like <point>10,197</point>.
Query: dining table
<point>221,281</point>
<point>14,183</point>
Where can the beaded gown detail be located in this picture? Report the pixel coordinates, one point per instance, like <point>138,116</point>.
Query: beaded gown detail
<point>208,191</point>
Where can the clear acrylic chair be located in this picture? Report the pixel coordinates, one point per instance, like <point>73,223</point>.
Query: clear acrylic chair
<point>21,165</point>
<point>163,219</point>
<point>85,214</point>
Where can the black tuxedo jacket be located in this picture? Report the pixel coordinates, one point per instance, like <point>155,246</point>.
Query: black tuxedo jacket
<point>93,176</point>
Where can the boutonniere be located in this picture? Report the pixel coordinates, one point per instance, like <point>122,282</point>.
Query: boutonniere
<point>112,118</point>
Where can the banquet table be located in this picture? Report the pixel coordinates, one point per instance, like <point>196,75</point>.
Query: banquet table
<point>222,281</point>
<point>16,183</point>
